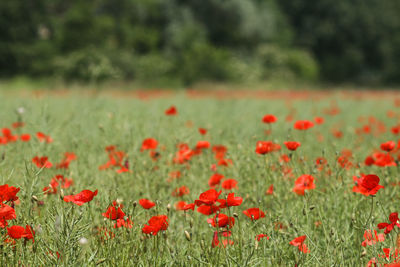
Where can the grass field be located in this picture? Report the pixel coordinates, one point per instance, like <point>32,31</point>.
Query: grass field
<point>333,215</point>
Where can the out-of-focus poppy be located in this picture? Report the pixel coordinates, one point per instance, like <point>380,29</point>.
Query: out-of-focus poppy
<point>146,204</point>
<point>171,111</point>
<point>81,198</point>
<point>304,182</point>
<point>269,118</point>
<point>254,213</point>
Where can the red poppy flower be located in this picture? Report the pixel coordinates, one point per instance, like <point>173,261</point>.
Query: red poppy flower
<point>299,243</point>
<point>127,223</point>
<point>202,145</point>
<point>229,184</point>
<point>269,118</point>
<point>189,206</point>
<point>393,254</point>
<point>114,212</point>
<point>371,239</point>
<point>81,198</point>
<point>8,193</point>
<point>254,213</point>
<point>260,236</point>
<point>68,157</point>
<point>146,204</point>
<point>149,143</point>
<point>116,159</point>
<point>303,125</point>
<point>395,129</point>
<point>171,111</point>
<point>58,180</point>
<point>231,200</point>
<point>383,159</point>
<point>8,136</point>
<point>43,138</point>
<point>284,158</point>
<point>6,213</point>
<point>225,242</point>
<point>394,221</point>
<point>225,162</point>
<point>208,197</point>
<point>219,151</point>
<point>181,191</point>
<point>388,146</point>
<point>18,124</point>
<point>180,205</point>
<point>215,179</point>
<point>270,190</point>
<point>369,161</point>
<point>18,232</point>
<point>319,120</point>
<point>42,162</point>
<point>367,184</point>
<point>156,224</point>
<point>25,137</point>
<point>202,131</point>
<point>208,209</point>
<point>264,147</point>
<point>221,220</point>
<point>292,145</point>
<point>304,182</point>
<point>184,154</point>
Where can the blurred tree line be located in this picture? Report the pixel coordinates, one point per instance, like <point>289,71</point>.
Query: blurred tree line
<point>191,40</point>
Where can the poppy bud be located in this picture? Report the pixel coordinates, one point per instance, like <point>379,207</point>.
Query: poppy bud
<point>83,241</point>
<point>312,207</point>
<point>188,235</point>
<point>20,110</point>
<point>202,244</point>
<point>332,232</point>
<point>304,211</point>
<point>62,194</point>
<point>134,204</point>
<point>235,215</point>
<point>168,207</point>
<point>34,198</point>
<point>191,223</point>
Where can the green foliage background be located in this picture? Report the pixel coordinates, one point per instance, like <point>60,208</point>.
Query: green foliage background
<point>188,41</point>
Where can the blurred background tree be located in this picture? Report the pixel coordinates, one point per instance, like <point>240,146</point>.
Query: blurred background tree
<point>187,41</point>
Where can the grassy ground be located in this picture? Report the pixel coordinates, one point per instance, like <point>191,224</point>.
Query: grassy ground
<point>332,217</point>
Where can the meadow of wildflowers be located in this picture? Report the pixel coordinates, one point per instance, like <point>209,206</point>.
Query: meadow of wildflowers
<point>201,179</point>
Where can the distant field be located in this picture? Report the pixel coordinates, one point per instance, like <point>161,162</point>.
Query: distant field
<point>325,191</point>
